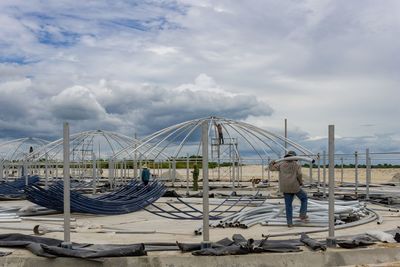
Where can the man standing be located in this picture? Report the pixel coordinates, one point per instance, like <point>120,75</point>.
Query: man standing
<point>220,134</point>
<point>290,182</point>
<point>196,173</point>
<point>145,174</point>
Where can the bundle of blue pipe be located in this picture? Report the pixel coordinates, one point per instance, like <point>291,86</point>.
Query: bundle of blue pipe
<point>129,198</point>
<point>16,188</point>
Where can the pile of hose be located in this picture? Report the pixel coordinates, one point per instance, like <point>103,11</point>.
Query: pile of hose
<point>129,198</point>
<point>15,189</point>
<point>271,214</point>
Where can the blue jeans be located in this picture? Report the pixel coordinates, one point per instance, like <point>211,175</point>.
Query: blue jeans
<point>288,204</point>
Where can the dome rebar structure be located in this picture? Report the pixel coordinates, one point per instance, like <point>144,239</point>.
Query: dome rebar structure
<point>232,144</point>
<point>12,154</point>
<point>90,154</point>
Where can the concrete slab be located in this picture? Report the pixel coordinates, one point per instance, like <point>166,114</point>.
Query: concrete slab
<point>331,257</point>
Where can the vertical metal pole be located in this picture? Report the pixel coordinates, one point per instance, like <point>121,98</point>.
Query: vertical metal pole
<point>342,170</point>
<point>94,176</point>
<point>230,167</point>
<point>311,169</point>
<point>170,171</point>
<point>286,135</point>
<point>356,172</point>
<point>125,170</point>
<point>204,137</point>
<point>46,172</point>
<point>135,172</point>
<point>319,171</point>
<point>262,169</point>
<point>368,173</point>
<point>111,173</point>
<point>187,174</point>
<point>233,170</point>
<point>324,174</point>
<point>26,172</point>
<point>173,169</point>
<point>1,170</point>
<point>331,149</point>
<point>269,171</point>
<point>219,161</point>
<point>67,208</point>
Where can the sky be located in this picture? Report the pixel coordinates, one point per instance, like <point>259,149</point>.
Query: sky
<point>139,66</point>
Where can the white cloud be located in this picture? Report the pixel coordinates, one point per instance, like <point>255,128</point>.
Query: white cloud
<point>313,62</point>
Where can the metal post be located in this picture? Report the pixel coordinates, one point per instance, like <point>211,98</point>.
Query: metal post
<point>269,171</point>
<point>262,169</point>
<point>286,135</point>
<point>342,170</point>
<point>319,171</point>
<point>187,174</point>
<point>173,169</point>
<point>233,170</point>
<point>26,173</point>
<point>67,208</point>
<point>331,242</point>
<point>311,169</point>
<point>111,173</point>
<point>1,170</point>
<point>356,172</point>
<point>94,176</point>
<point>324,174</point>
<point>135,168</point>
<point>170,171</point>
<point>46,172</point>
<point>368,173</point>
<point>219,161</point>
<point>206,230</point>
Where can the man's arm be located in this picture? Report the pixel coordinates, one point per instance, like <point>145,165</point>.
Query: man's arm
<point>273,166</point>
<point>299,175</point>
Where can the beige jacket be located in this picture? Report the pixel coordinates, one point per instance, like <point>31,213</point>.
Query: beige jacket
<point>290,176</point>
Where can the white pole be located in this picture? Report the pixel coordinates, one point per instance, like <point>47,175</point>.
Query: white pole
<point>368,173</point>
<point>1,170</point>
<point>67,207</point>
<point>187,174</point>
<point>26,172</point>
<point>286,135</point>
<point>319,171</point>
<point>262,169</point>
<point>331,239</point>
<point>324,174</point>
<point>46,172</point>
<point>94,178</point>
<point>342,170</point>
<point>206,230</point>
<point>356,172</point>
<point>135,167</point>
<point>173,169</point>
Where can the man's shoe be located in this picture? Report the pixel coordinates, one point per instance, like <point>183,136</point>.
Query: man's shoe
<point>303,218</point>
<point>290,225</point>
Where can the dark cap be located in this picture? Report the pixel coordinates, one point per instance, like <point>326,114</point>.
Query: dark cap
<point>290,154</point>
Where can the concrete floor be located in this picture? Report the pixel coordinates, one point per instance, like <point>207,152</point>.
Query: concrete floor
<point>167,230</point>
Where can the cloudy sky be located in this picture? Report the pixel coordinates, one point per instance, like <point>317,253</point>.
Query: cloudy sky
<point>138,66</point>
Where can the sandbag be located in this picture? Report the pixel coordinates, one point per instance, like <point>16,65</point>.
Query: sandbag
<point>312,243</point>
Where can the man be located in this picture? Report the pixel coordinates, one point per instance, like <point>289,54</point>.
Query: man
<point>220,134</point>
<point>145,174</point>
<point>196,173</point>
<point>290,182</point>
